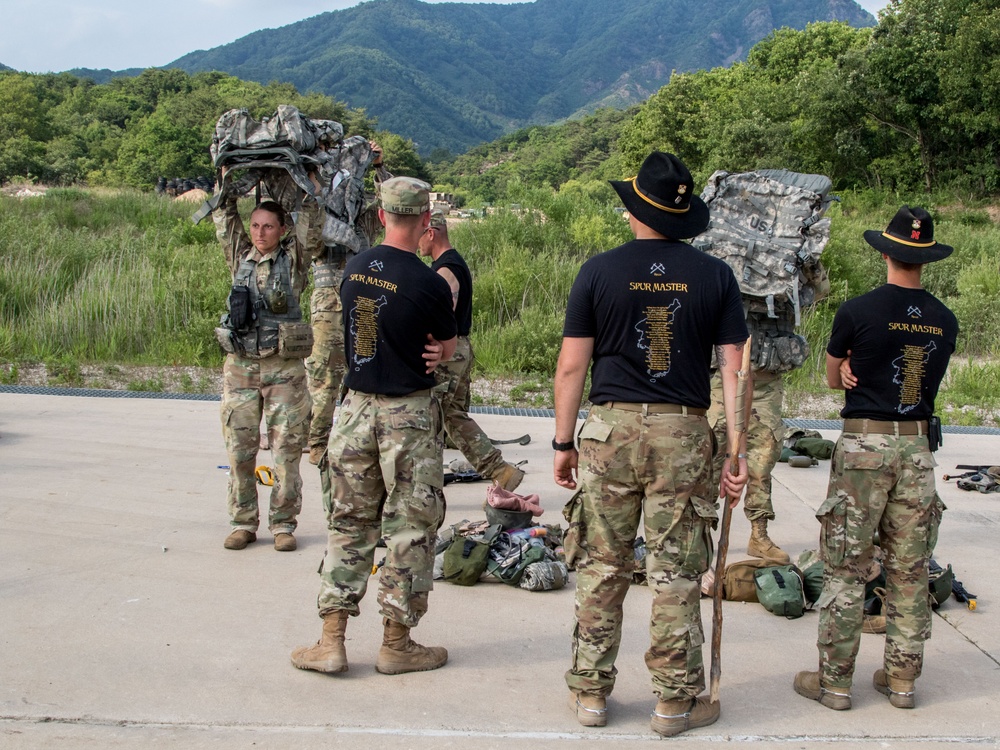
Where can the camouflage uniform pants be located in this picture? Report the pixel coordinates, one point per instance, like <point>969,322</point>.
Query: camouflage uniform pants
<point>383,477</point>
<point>656,467</point>
<point>765,433</point>
<point>886,484</point>
<point>466,435</point>
<point>275,389</point>
<point>327,363</point>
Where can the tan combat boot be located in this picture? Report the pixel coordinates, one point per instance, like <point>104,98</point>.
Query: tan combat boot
<point>760,544</point>
<point>681,714</point>
<point>900,692</point>
<point>239,539</point>
<point>807,685</point>
<point>875,623</point>
<point>591,710</point>
<point>316,453</point>
<point>509,477</point>
<point>399,654</point>
<point>328,654</point>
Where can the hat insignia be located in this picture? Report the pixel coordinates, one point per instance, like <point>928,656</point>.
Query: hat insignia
<point>916,224</point>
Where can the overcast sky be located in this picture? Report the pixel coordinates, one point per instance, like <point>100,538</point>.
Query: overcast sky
<point>41,36</point>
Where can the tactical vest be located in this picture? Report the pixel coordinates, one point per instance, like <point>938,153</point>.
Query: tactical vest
<point>328,269</point>
<point>263,335</point>
<point>775,347</point>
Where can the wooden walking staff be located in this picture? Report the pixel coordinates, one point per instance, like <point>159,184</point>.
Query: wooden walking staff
<point>743,399</point>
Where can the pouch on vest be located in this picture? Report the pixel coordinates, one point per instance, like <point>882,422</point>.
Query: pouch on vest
<point>295,340</point>
<point>225,338</point>
<point>779,590</point>
<point>737,581</point>
<point>241,315</point>
<point>466,557</point>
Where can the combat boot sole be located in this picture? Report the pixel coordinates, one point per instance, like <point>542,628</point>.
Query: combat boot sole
<point>897,698</point>
<point>673,717</point>
<point>400,662</point>
<point>330,665</point>
<point>768,551</point>
<point>239,539</point>
<point>591,710</point>
<point>808,686</point>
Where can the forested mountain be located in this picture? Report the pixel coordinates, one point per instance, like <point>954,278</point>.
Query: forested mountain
<point>451,75</point>
<point>103,75</point>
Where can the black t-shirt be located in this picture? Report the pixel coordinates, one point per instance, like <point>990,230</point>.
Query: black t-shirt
<point>392,300</point>
<point>900,342</point>
<point>655,309</point>
<point>455,263</point>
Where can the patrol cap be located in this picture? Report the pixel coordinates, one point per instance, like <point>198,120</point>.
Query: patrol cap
<point>438,219</point>
<point>405,195</point>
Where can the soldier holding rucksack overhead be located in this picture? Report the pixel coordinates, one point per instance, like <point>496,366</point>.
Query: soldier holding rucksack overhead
<point>769,227</point>
<point>889,349</point>
<point>265,342</point>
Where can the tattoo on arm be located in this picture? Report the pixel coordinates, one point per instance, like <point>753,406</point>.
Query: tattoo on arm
<point>720,356</point>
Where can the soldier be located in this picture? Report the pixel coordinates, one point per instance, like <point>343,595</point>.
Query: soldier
<point>765,432</point>
<point>889,349</point>
<point>325,365</point>
<point>266,341</point>
<point>463,431</point>
<point>647,314</point>
<point>384,476</point>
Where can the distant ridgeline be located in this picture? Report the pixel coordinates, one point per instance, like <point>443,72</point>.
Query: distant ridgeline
<point>453,75</point>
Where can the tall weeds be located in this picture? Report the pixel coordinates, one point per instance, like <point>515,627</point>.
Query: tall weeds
<point>127,278</point>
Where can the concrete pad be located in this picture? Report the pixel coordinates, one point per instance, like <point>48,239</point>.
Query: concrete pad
<point>124,622</point>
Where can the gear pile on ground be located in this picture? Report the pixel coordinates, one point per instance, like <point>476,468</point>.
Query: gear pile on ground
<point>529,558</point>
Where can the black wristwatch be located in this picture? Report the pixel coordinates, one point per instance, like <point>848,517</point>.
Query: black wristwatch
<point>557,446</point>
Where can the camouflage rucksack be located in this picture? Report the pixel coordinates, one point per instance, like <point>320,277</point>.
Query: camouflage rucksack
<point>768,227</point>
<point>300,145</point>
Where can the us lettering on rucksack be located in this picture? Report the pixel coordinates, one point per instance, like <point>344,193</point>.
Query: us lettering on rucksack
<point>768,226</point>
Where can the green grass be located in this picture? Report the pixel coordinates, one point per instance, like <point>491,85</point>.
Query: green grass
<point>115,279</point>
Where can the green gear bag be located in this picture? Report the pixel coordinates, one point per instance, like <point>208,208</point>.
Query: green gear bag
<point>812,582</point>
<point>780,590</point>
<point>466,557</point>
<point>814,447</point>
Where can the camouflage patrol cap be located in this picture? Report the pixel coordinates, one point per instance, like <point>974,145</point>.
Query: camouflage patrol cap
<point>405,195</point>
<point>438,219</point>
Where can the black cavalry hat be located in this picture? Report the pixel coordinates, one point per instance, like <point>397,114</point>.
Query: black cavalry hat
<point>909,238</point>
<point>662,197</point>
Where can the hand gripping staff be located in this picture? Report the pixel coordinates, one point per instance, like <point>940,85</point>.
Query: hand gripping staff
<point>743,400</point>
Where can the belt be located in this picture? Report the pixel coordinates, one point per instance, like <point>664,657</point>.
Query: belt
<point>689,411</point>
<point>878,427</point>
<point>414,394</point>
